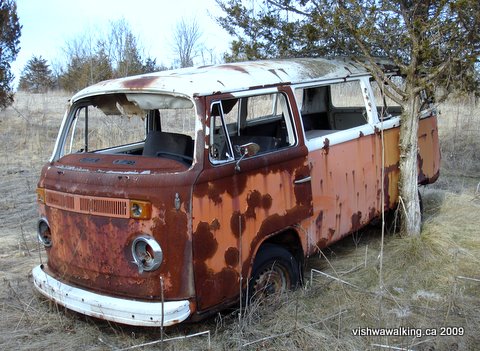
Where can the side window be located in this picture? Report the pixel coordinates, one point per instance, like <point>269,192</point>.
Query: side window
<point>220,148</point>
<point>348,105</point>
<point>264,120</point>
<point>386,107</point>
<point>330,108</point>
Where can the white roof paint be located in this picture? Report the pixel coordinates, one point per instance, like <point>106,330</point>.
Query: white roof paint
<point>231,77</point>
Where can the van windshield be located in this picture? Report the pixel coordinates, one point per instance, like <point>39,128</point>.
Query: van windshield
<point>124,123</point>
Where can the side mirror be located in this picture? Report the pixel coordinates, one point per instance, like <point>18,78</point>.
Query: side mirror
<point>249,149</point>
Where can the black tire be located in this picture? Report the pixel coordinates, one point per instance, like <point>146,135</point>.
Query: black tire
<point>275,270</point>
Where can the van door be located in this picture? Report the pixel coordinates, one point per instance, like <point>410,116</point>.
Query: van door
<point>256,182</point>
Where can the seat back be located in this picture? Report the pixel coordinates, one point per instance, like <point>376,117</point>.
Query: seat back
<point>174,143</point>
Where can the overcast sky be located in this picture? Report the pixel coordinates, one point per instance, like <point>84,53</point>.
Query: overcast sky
<point>49,24</point>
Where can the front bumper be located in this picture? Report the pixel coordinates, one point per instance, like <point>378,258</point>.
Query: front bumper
<point>113,309</point>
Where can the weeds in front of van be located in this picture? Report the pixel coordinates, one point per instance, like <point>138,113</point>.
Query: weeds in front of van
<point>429,281</point>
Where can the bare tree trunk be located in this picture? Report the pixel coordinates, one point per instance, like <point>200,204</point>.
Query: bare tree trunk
<point>408,182</point>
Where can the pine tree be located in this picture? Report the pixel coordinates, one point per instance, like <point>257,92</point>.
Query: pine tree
<point>36,76</point>
<point>10,30</point>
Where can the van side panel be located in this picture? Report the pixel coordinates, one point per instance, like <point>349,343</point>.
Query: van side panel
<point>346,178</point>
<point>346,188</point>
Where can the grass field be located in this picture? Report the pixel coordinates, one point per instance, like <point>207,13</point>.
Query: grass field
<point>430,283</point>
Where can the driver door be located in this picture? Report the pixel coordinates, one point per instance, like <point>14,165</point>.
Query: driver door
<point>241,198</point>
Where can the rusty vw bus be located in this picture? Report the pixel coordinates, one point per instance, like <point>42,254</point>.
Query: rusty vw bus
<point>169,195</point>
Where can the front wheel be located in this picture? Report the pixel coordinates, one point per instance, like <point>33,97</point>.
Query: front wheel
<point>275,270</point>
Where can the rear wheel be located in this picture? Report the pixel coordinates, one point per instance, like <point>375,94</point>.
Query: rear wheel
<point>275,270</point>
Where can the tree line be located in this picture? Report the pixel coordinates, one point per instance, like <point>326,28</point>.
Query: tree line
<point>92,58</point>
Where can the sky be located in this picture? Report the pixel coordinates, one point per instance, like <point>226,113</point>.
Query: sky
<point>49,24</point>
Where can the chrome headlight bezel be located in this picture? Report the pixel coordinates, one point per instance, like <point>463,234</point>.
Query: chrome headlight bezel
<point>44,234</point>
<point>147,253</point>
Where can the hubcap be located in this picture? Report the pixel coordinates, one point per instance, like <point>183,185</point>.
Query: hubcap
<point>271,280</point>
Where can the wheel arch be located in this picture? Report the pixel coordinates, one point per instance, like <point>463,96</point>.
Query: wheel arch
<point>288,239</point>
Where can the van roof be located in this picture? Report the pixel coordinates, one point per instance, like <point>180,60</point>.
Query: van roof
<point>231,77</point>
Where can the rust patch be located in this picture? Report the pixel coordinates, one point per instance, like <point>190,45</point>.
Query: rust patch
<point>254,199</point>
<point>331,233</point>
<point>215,287</point>
<point>323,242</point>
<point>272,71</point>
<point>234,68</point>
<point>421,176</point>
<point>204,243</point>
<point>319,221</point>
<point>232,256</point>
<point>361,134</point>
<point>267,201</point>
<point>139,82</point>
<point>214,194</point>
<point>215,225</point>
<point>237,223</point>
<point>326,145</point>
<point>356,219</point>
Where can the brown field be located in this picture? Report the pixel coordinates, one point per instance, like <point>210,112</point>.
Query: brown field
<point>428,282</point>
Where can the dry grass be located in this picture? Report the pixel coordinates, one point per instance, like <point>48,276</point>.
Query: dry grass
<point>424,278</point>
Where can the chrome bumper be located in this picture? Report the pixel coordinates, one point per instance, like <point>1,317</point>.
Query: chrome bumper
<point>113,309</point>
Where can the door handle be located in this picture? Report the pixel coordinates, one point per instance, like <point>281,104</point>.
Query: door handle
<point>303,180</point>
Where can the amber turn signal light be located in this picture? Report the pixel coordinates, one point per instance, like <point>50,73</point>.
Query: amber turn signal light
<point>41,195</point>
<point>140,209</point>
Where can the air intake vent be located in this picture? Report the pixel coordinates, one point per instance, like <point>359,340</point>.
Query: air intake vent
<point>100,206</point>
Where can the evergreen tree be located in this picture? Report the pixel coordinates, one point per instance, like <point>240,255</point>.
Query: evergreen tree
<point>37,76</point>
<point>435,43</point>
<point>10,29</point>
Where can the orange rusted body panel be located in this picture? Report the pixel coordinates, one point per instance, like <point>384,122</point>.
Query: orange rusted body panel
<point>346,181</point>
<point>94,251</point>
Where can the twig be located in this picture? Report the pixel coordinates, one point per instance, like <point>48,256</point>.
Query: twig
<point>25,241</point>
<point>354,269</point>
<point>467,278</point>
<point>163,312</point>
<point>109,345</point>
<point>331,277</point>
<point>20,114</point>
<point>392,347</point>
<point>366,255</point>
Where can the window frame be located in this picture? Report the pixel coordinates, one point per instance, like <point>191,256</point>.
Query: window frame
<point>290,126</point>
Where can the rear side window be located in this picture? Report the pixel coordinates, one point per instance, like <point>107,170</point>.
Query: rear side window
<point>261,119</point>
<point>333,107</point>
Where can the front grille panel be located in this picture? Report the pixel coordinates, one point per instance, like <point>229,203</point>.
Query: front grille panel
<point>100,206</point>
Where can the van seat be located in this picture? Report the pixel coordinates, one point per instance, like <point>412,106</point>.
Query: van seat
<point>174,143</point>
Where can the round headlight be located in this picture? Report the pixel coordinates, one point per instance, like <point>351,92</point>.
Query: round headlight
<point>147,253</point>
<point>43,232</point>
